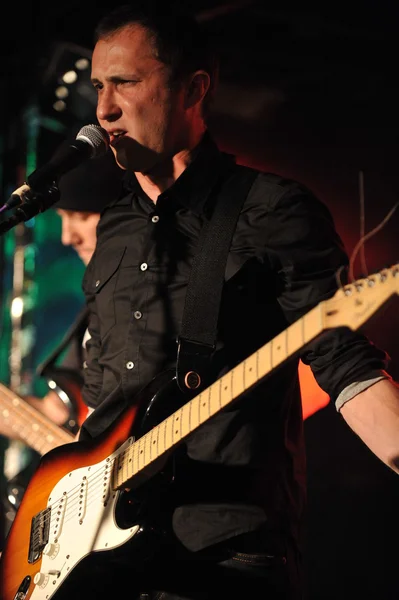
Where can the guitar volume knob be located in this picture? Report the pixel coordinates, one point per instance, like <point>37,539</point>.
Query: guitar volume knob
<point>51,550</point>
<point>40,579</point>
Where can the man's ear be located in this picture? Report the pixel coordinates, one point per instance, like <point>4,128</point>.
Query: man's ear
<point>197,88</point>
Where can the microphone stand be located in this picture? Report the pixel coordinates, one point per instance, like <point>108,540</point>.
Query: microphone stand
<point>33,203</point>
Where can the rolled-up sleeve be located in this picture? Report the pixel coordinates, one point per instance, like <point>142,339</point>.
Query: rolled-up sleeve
<point>310,260</point>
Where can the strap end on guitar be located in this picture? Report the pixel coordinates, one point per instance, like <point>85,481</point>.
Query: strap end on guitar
<point>192,364</point>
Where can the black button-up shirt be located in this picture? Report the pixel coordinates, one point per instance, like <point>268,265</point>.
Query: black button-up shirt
<point>244,467</point>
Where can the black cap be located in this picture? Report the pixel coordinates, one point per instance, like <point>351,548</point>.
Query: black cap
<point>92,185</point>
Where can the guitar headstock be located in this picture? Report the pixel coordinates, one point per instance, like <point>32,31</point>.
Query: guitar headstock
<point>354,304</point>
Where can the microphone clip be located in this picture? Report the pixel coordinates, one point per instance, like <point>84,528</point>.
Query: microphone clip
<point>33,203</point>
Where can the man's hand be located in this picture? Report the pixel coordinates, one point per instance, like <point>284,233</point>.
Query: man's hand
<point>51,406</point>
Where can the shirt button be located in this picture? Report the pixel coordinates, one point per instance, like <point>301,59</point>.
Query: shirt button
<point>137,314</point>
<point>155,219</point>
<point>129,365</point>
<point>143,266</point>
<point>98,282</point>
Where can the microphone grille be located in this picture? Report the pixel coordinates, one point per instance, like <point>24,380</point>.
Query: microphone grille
<point>96,137</point>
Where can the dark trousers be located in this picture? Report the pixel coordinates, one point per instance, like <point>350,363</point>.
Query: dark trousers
<point>237,576</point>
<point>232,570</point>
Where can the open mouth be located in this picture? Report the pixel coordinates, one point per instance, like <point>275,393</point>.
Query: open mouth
<point>114,137</point>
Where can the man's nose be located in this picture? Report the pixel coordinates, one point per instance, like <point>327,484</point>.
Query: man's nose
<point>68,235</point>
<point>108,108</point>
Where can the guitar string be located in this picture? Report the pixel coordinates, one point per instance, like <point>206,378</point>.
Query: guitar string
<point>72,496</point>
<point>91,494</point>
<point>70,499</point>
<point>366,237</point>
<point>140,446</point>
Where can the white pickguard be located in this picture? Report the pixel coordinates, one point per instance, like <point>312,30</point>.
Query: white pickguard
<point>80,523</point>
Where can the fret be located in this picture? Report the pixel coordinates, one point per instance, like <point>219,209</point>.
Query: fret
<point>116,471</point>
<point>161,428</point>
<point>141,456</point>
<point>225,390</point>
<point>125,460</point>
<point>114,475</point>
<point>194,412</point>
<point>129,462</point>
<point>278,349</point>
<point>177,426</point>
<point>213,393</point>
<point>169,432</point>
<point>153,442</point>
<point>123,474</point>
<point>185,419</point>
<point>237,380</point>
<point>264,360</point>
<point>135,450</point>
<point>120,477</point>
<point>312,324</point>
<point>147,448</point>
<point>295,337</point>
<point>204,404</point>
<point>250,371</point>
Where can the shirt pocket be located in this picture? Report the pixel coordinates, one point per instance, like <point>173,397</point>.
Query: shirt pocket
<point>102,284</point>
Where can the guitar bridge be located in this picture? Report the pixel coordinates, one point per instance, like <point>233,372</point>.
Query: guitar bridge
<point>39,534</point>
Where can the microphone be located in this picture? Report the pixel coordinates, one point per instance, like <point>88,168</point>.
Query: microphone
<point>92,141</point>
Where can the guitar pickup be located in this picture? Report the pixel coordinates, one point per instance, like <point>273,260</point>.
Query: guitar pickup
<point>39,534</point>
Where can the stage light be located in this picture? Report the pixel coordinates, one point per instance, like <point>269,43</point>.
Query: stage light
<point>59,106</point>
<point>82,63</point>
<point>69,77</point>
<point>61,92</point>
<point>17,307</point>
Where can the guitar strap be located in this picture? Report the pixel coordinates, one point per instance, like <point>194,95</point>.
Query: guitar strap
<point>198,335</point>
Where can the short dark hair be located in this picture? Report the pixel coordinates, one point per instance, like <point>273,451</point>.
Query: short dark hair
<point>178,38</point>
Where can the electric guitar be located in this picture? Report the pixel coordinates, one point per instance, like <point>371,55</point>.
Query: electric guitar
<point>72,509</point>
<point>36,430</point>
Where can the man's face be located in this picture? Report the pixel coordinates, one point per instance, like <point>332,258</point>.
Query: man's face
<point>143,114</point>
<point>79,231</point>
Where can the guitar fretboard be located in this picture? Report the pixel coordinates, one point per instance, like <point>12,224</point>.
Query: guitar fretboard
<point>29,424</point>
<point>210,401</point>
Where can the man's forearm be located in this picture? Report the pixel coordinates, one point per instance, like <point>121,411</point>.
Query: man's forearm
<point>374,416</point>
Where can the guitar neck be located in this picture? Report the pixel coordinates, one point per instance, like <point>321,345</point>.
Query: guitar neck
<point>217,396</point>
<point>29,424</point>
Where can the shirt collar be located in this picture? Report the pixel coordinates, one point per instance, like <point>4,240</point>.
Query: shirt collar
<point>194,186</point>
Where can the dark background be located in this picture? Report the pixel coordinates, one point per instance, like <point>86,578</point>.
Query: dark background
<point>309,91</point>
